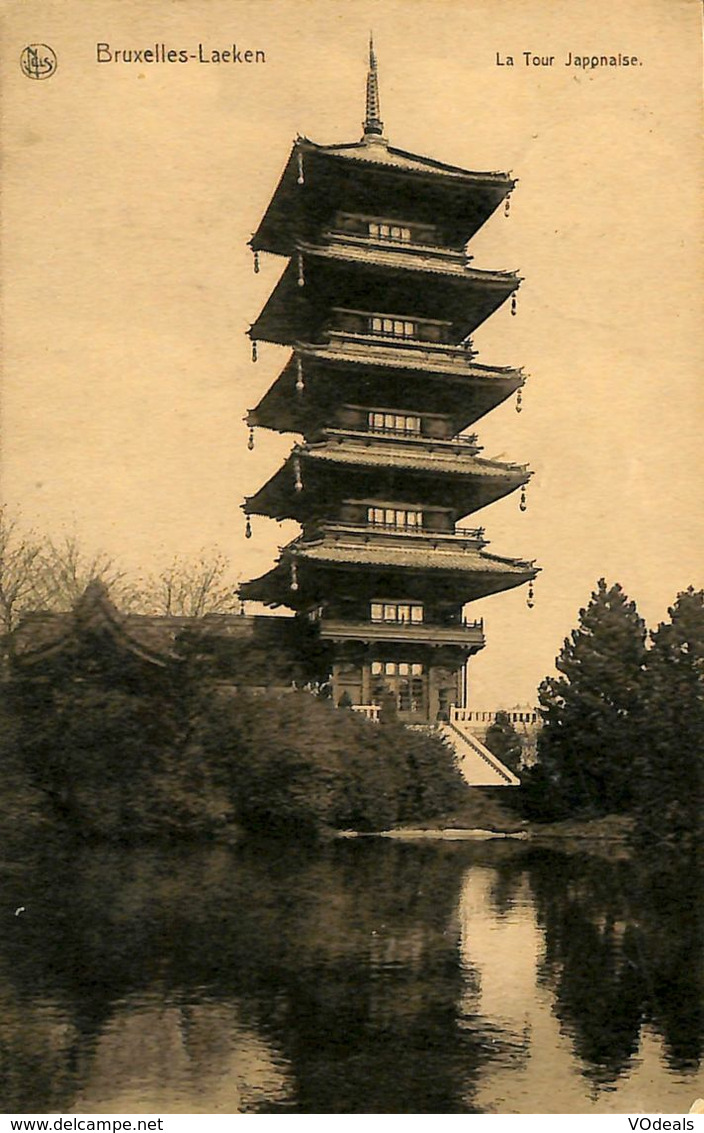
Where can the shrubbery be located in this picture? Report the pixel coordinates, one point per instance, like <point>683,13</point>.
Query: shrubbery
<point>293,762</point>
<point>122,764</point>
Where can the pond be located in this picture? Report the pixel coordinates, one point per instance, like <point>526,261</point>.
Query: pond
<point>363,977</point>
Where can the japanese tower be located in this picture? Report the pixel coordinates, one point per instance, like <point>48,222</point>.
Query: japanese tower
<point>378,303</point>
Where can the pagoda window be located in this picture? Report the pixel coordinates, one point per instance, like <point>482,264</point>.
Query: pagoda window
<point>379,231</point>
<point>394,423</point>
<point>393,328</point>
<point>400,613</point>
<point>397,668</point>
<point>399,518</point>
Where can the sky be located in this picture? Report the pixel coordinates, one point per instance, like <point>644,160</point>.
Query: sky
<point>131,190</point>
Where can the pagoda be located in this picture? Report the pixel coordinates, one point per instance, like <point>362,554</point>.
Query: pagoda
<point>378,303</point>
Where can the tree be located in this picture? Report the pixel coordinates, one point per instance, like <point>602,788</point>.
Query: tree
<point>671,758</point>
<point>21,586</point>
<point>192,587</point>
<point>67,569</point>
<point>504,742</point>
<point>39,574</point>
<point>591,712</point>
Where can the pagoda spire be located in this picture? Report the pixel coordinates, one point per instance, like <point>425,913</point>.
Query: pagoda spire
<point>373,125</point>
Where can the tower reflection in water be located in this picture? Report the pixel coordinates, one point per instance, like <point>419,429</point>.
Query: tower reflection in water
<point>366,977</point>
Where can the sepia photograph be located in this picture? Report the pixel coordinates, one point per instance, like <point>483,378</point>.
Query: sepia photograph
<point>351,590</point>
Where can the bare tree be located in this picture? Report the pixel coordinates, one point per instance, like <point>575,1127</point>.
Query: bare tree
<point>21,572</point>
<point>193,587</point>
<point>67,569</point>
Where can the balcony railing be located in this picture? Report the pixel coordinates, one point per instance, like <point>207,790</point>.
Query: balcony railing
<point>473,533</point>
<point>480,719</point>
<point>388,430</point>
<point>371,711</point>
<point>459,633</point>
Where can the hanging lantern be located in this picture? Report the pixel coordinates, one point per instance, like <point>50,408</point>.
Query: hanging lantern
<point>514,303</point>
<point>256,262</point>
<point>507,206</point>
<point>531,596</point>
<point>301,277</point>
<point>242,607</point>
<point>248,529</point>
<point>294,576</point>
<point>301,177</point>
<point>519,402</point>
<point>297,480</point>
<point>254,350</point>
<point>250,441</point>
<point>300,384</point>
<point>524,503</point>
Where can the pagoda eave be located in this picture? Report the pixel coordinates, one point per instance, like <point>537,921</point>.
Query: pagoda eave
<point>319,179</point>
<point>300,306</point>
<point>311,580</point>
<point>315,382</point>
<point>472,485</point>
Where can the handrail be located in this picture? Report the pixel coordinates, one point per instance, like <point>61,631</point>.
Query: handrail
<point>492,761</point>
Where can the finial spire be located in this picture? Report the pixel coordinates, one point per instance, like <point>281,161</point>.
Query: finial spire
<point>373,125</point>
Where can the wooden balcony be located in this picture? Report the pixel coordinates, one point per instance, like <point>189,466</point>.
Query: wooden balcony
<point>465,634</point>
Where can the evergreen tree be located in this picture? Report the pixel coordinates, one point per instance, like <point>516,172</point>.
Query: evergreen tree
<point>504,742</point>
<point>669,799</point>
<point>589,740</point>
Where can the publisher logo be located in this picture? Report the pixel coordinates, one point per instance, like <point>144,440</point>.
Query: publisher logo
<point>38,61</point>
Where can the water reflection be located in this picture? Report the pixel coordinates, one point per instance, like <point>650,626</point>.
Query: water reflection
<point>366,977</point>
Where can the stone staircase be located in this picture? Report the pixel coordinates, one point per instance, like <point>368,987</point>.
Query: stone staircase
<point>477,765</point>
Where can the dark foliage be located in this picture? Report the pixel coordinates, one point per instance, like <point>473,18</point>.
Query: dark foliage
<point>504,741</point>
<point>187,761</point>
<point>670,759</point>
<point>115,763</point>
<point>591,714</point>
<point>294,763</point>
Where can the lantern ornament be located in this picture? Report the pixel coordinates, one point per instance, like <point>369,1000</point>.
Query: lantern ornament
<point>530,600</point>
<point>254,349</point>
<point>250,439</point>
<point>507,206</point>
<point>248,529</point>
<point>297,479</point>
<point>514,303</point>
<point>519,402</point>
<point>301,277</point>
<point>294,575</point>
<point>256,261</point>
<point>301,176</point>
<point>300,383</point>
<point>523,505</point>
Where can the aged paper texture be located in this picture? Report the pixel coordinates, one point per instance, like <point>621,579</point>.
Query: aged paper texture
<point>141,143</point>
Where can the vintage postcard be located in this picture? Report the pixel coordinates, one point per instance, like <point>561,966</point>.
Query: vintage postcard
<point>350,363</point>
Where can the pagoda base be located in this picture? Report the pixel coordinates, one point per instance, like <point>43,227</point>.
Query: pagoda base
<point>421,683</point>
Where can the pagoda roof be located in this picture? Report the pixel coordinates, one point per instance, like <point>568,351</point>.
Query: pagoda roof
<point>477,572</point>
<point>318,179</point>
<point>332,469</point>
<point>345,276</point>
<point>94,627</point>
<point>334,373</point>
<point>413,557</point>
<point>377,151</point>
